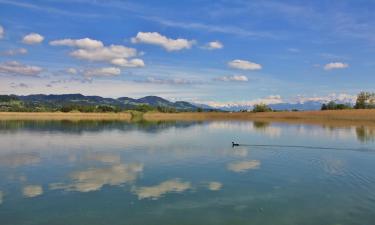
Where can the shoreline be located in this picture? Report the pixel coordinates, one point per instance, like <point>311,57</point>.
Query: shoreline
<point>344,117</point>
<point>63,116</point>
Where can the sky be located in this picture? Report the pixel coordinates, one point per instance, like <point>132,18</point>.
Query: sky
<point>214,52</point>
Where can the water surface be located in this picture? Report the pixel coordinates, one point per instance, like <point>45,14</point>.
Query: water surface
<point>111,172</point>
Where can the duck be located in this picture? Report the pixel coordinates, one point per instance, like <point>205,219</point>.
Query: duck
<point>235,144</point>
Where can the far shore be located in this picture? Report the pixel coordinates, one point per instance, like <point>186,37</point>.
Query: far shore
<point>343,117</point>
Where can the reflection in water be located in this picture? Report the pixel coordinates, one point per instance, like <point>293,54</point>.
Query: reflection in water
<point>334,166</point>
<point>240,151</point>
<point>94,179</point>
<point>365,134</point>
<point>84,163</point>
<point>81,126</point>
<point>19,159</point>
<point>103,158</point>
<point>31,191</point>
<point>214,186</point>
<point>157,191</point>
<point>243,166</point>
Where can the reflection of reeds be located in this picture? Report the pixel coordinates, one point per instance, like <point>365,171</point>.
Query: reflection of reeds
<point>63,116</point>
<point>365,134</point>
<point>337,117</point>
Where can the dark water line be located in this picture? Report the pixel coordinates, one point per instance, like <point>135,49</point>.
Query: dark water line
<point>309,147</point>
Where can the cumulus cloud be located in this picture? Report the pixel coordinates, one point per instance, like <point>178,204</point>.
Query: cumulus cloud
<point>31,191</point>
<point>244,65</point>
<point>16,68</point>
<point>12,52</point>
<point>94,50</point>
<point>19,159</point>
<point>214,186</point>
<point>243,166</point>
<point>157,191</point>
<point>85,43</point>
<point>335,65</point>
<point>102,72</point>
<point>32,38</point>
<point>214,45</point>
<point>128,63</point>
<point>105,53</point>
<point>169,44</point>
<point>95,178</point>
<point>239,78</point>
<point>2,32</point>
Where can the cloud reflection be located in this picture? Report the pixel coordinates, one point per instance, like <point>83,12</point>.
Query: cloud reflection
<point>19,159</point>
<point>157,191</point>
<point>215,186</point>
<point>31,191</point>
<point>94,179</point>
<point>104,158</point>
<point>243,166</point>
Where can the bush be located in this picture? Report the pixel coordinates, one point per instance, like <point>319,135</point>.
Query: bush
<point>334,106</point>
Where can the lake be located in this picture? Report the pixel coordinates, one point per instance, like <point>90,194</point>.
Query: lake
<point>112,173</point>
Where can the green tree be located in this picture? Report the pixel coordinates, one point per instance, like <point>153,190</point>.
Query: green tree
<point>365,100</point>
<point>261,108</point>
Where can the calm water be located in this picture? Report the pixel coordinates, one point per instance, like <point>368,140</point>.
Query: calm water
<point>185,173</point>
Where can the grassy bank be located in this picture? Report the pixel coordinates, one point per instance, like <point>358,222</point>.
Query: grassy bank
<point>335,117</point>
<point>359,116</point>
<point>63,116</point>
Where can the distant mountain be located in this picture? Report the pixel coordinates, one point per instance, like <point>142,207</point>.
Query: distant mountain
<point>301,106</point>
<point>41,100</point>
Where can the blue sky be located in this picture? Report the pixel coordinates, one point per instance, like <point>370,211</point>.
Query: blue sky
<point>216,52</point>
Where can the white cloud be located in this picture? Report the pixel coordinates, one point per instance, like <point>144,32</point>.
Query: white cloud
<point>214,45</point>
<point>95,178</point>
<point>32,38</point>
<point>31,191</point>
<point>214,186</point>
<point>94,50</point>
<point>239,78</point>
<point>244,65</point>
<point>85,43</point>
<point>105,53</point>
<point>12,52</point>
<point>102,72</point>
<point>335,65</point>
<point>157,191</point>
<point>2,32</point>
<point>71,70</point>
<point>16,68</point>
<point>169,44</point>
<point>128,63</point>
<point>243,166</point>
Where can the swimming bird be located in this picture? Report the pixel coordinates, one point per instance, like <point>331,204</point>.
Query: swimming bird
<point>234,144</point>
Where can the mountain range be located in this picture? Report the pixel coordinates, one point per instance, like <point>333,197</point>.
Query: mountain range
<point>154,101</point>
<point>79,99</point>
